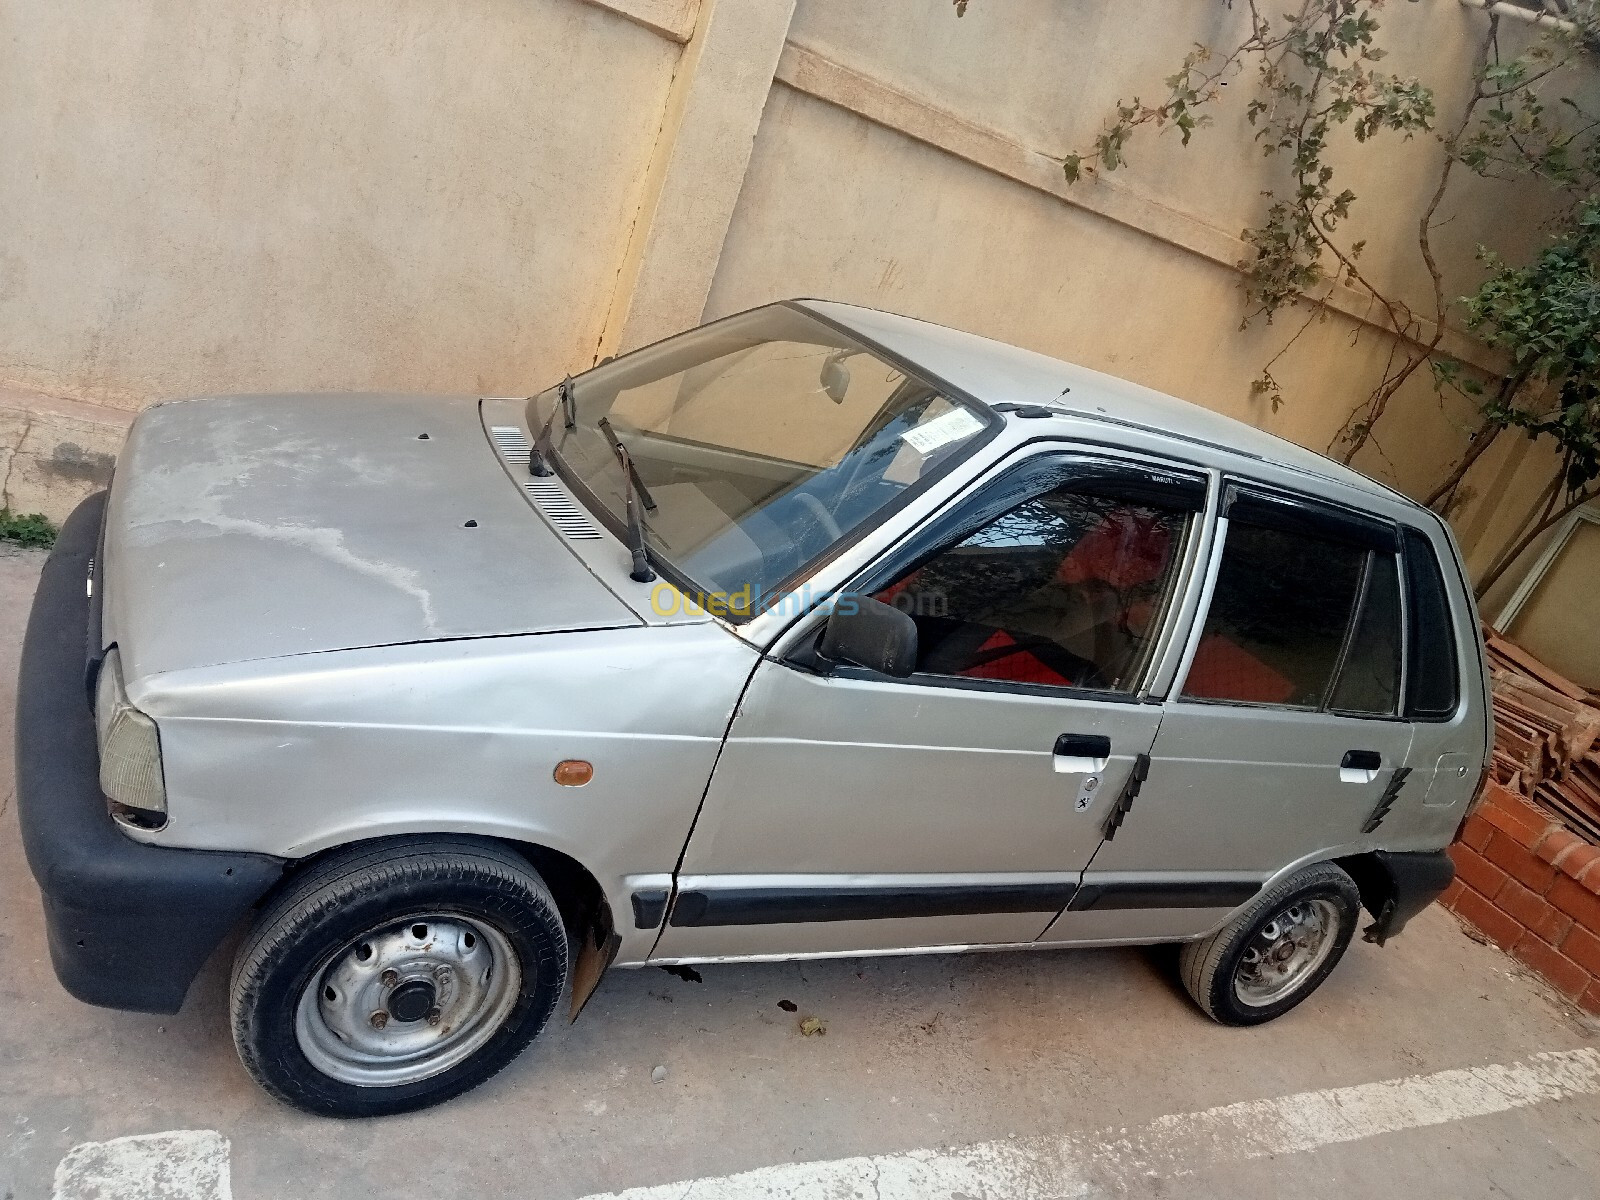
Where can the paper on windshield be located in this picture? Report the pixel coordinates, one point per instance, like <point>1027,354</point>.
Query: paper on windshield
<point>941,431</point>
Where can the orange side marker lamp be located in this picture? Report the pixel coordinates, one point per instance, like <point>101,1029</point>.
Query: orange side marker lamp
<point>573,772</point>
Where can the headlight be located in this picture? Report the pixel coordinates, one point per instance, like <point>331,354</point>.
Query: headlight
<point>130,752</point>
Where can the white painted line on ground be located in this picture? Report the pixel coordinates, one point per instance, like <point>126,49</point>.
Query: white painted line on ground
<point>183,1164</point>
<point>1057,1168</point>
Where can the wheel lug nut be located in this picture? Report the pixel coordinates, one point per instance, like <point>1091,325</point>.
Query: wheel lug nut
<point>389,978</point>
<point>433,1016</point>
<point>441,972</point>
<point>380,1019</point>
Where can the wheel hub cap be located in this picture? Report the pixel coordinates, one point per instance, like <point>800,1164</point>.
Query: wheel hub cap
<point>407,1000</point>
<point>1286,952</point>
<point>411,1000</point>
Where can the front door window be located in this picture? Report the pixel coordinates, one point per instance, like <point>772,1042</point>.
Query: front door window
<point>1065,590</point>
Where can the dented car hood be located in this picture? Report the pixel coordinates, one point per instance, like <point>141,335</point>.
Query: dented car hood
<point>254,527</point>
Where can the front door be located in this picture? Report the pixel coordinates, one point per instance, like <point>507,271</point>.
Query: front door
<point>851,812</point>
<point>1285,739</point>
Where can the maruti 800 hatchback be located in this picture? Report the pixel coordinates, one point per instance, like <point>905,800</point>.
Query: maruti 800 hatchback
<point>815,631</point>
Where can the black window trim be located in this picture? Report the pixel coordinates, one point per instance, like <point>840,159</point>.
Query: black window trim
<point>1453,639</point>
<point>1286,511</point>
<point>1010,488</point>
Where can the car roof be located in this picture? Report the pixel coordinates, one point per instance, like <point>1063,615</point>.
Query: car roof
<point>994,373</point>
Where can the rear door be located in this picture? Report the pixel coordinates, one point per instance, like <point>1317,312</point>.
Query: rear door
<point>854,812</point>
<point>1283,737</point>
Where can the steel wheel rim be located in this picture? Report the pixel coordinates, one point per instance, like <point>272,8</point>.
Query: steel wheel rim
<point>407,1000</point>
<point>1285,952</point>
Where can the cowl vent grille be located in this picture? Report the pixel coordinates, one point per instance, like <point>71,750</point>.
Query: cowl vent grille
<point>562,511</point>
<point>510,442</point>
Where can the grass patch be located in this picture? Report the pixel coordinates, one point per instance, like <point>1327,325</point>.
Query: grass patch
<point>30,529</point>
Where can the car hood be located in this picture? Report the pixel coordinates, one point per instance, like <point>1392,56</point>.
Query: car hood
<point>254,527</point>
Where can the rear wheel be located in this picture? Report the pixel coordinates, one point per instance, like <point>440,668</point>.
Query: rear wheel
<point>1277,951</point>
<point>393,977</point>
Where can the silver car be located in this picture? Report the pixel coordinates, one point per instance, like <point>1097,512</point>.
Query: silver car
<point>816,631</point>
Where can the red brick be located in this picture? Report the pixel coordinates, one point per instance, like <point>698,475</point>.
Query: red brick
<point>1532,912</point>
<point>1513,815</point>
<point>1577,859</point>
<point>1447,898</point>
<point>1488,920</point>
<point>1477,872</point>
<point>1583,948</point>
<point>1577,901</point>
<point>1591,999</point>
<point>1589,876</point>
<point>1555,843</point>
<point>1476,831</point>
<point>1519,863</point>
<point>1566,976</point>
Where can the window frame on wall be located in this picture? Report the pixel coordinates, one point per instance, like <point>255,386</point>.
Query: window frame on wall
<point>1273,507</point>
<point>1541,567</point>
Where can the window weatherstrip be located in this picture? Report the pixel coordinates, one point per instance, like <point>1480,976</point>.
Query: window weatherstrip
<point>1287,512</point>
<point>1184,607</point>
<point>1351,625</point>
<point>1219,544</point>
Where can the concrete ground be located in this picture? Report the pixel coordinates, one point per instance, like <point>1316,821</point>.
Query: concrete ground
<point>1073,1068</point>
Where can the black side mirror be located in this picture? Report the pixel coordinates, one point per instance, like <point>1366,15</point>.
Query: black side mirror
<point>871,634</point>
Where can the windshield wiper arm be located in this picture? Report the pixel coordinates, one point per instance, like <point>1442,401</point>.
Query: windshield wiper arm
<point>626,459</point>
<point>568,407</point>
<point>641,572</point>
<point>634,493</point>
<point>569,404</point>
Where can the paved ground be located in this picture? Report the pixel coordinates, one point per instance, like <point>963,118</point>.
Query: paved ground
<point>1068,1071</point>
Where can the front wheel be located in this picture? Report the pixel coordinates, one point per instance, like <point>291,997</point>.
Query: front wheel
<point>389,978</point>
<point>1277,951</point>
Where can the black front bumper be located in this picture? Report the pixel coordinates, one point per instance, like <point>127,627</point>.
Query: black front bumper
<point>130,924</point>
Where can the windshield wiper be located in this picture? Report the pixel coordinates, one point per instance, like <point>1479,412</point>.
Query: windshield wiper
<point>626,459</point>
<point>568,407</point>
<point>634,493</point>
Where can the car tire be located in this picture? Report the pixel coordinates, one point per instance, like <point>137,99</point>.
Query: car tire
<point>1276,952</point>
<point>390,977</point>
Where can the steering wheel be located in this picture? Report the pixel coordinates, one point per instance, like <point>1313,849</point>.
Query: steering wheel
<point>819,512</point>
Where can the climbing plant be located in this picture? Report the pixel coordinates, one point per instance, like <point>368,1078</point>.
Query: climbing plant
<point>1318,81</point>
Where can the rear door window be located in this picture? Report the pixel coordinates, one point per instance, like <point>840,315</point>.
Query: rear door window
<point>1305,613</point>
<point>1369,681</point>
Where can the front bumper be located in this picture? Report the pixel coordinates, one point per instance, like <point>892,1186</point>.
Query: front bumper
<point>130,925</point>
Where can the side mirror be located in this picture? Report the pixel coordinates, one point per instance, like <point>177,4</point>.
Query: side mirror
<point>874,635</point>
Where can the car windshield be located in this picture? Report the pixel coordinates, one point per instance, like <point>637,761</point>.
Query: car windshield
<point>763,441</point>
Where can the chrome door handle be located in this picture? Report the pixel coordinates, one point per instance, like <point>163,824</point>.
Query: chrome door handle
<point>1360,766</point>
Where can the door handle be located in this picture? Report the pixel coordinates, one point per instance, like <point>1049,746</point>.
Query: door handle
<point>1360,766</point>
<point>1077,753</point>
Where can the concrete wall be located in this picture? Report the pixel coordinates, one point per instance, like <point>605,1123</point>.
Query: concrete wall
<point>338,195</point>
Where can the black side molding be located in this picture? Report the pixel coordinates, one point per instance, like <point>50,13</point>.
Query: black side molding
<point>1201,893</point>
<point>796,906</point>
<point>649,907</point>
